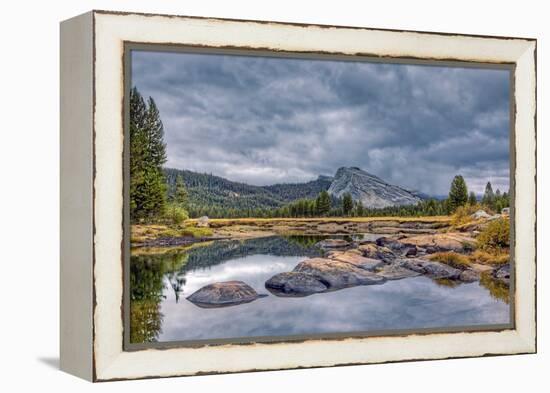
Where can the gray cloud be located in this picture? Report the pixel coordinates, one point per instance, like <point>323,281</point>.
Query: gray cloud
<point>267,120</point>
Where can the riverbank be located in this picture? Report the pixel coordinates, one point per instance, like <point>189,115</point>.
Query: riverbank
<point>438,239</point>
<point>193,230</point>
<point>259,227</point>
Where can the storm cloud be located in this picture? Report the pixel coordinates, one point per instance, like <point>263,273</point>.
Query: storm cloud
<point>264,120</point>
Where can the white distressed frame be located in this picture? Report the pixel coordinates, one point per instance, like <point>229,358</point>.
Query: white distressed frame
<point>109,361</point>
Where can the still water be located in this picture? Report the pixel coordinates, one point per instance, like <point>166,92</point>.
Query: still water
<point>160,283</point>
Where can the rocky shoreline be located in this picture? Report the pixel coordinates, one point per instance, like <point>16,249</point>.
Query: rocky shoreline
<point>176,241</point>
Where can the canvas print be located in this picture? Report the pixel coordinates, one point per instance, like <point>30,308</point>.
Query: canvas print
<point>280,197</point>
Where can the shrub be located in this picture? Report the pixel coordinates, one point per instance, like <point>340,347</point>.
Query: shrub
<point>175,214</point>
<point>196,231</point>
<point>452,259</point>
<point>463,214</point>
<point>496,236</point>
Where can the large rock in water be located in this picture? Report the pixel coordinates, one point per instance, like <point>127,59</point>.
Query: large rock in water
<point>372,191</point>
<point>469,275</point>
<point>356,260</point>
<point>394,244</point>
<point>337,275</point>
<point>431,268</point>
<point>294,284</point>
<point>503,274</point>
<point>371,250</point>
<point>396,272</point>
<point>224,294</point>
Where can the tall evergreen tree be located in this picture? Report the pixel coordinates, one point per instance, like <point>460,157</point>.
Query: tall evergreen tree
<point>147,156</point>
<point>472,200</point>
<point>180,193</point>
<point>489,196</point>
<point>347,204</point>
<point>359,208</point>
<point>458,194</point>
<point>323,203</point>
<point>155,134</point>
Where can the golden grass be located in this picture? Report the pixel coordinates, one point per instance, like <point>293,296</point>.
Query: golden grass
<point>144,232</point>
<point>453,259</point>
<point>490,258</point>
<point>463,215</point>
<point>460,261</point>
<point>324,220</point>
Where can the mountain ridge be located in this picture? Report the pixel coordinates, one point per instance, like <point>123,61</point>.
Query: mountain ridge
<point>217,192</point>
<point>372,191</point>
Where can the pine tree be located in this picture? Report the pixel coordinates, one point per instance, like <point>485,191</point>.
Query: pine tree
<point>458,194</point>
<point>323,203</point>
<point>347,204</point>
<point>180,193</point>
<point>472,200</point>
<point>488,197</point>
<point>506,199</point>
<point>147,156</point>
<point>155,132</point>
<point>360,209</point>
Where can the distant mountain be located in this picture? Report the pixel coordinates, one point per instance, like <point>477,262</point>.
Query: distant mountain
<point>372,191</point>
<point>214,192</point>
<point>289,192</point>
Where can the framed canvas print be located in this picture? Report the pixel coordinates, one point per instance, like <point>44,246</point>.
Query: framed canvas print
<point>245,195</point>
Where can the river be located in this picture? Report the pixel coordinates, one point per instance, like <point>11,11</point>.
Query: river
<point>160,283</point>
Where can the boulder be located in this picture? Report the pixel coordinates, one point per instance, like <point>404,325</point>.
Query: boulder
<point>503,274</point>
<point>394,244</point>
<point>203,221</point>
<point>396,272</point>
<point>430,268</point>
<point>457,242</point>
<point>337,275</point>
<point>480,214</point>
<point>431,250</point>
<point>371,250</point>
<point>480,268</point>
<point>356,259</point>
<point>223,294</point>
<point>333,243</point>
<point>411,251</point>
<point>469,275</point>
<point>294,284</point>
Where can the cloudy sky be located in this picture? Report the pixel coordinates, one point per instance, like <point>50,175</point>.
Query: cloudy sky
<point>266,120</point>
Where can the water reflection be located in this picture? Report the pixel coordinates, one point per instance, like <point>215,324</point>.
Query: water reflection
<point>160,283</point>
<point>498,289</point>
<point>146,295</point>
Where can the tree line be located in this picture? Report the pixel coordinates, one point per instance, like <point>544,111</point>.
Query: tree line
<point>326,205</point>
